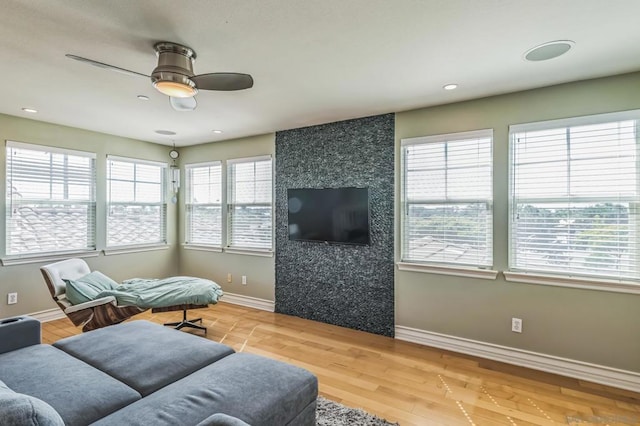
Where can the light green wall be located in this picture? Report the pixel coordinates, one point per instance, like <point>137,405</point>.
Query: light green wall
<point>592,326</point>
<point>26,280</point>
<point>587,325</point>
<point>260,271</point>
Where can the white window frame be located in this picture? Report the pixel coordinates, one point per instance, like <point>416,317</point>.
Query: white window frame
<point>161,242</point>
<point>189,206</point>
<point>482,271</point>
<point>570,279</point>
<point>49,255</point>
<point>237,249</point>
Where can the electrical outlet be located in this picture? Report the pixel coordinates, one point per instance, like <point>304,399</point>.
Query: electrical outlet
<point>12,298</point>
<point>229,277</point>
<point>244,280</point>
<point>516,325</point>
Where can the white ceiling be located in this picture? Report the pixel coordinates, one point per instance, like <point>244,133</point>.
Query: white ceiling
<point>313,61</point>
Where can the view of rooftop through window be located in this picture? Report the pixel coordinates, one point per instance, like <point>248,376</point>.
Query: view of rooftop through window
<point>447,184</point>
<point>249,203</point>
<point>575,200</point>
<point>50,199</point>
<point>136,202</point>
<point>204,204</point>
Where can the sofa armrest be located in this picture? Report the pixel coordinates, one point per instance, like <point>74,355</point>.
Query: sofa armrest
<point>90,304</point>
<point>221,419</point>
<point>19,332</point>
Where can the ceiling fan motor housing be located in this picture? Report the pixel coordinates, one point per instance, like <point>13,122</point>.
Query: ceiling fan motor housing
<point>175,64</point>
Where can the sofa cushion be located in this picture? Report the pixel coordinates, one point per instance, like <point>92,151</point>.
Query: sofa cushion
<point>144,355</point>
<point>18,409</point>
<point>78,392</point>
<point>257,390</point>
<point>87,288</point>
<point>221,419</point>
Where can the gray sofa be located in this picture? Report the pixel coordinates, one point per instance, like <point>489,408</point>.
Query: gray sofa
<point>140,373</point>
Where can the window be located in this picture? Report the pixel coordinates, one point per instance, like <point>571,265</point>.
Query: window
<point>574,197</point>
<point>204,204</point>
<point>447,199</point>
<point>51,204</point>
<point>249,203</point>
<point>136,208</point>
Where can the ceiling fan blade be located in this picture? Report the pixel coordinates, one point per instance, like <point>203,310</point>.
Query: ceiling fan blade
<point>105,66</point>
<point>183,104</point>
<point>223,81</point>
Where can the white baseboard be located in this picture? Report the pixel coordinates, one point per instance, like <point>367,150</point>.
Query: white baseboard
<point>622,379</point>
<point>609,376</point>
<point>48,315</point>
<point>251,302</point>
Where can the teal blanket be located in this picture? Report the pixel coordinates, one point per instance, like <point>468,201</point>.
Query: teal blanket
<point>159,293</point>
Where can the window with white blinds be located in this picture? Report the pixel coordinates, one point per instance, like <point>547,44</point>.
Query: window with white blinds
<point>447,199</point>
<point>575,197</point>
<point>136,207</point>
<point>50,200</point>
<point>204,204</point>
<point>249,203</point>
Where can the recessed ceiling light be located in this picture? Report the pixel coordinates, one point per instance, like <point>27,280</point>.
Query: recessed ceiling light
<point>548,50</point>
<point>165,132</point>
<point>217,131</point>
<point>450,86</point>
<point>143,97</point>
<point>31,110</point>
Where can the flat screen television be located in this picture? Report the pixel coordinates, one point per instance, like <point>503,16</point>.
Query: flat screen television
<point>329,215</point>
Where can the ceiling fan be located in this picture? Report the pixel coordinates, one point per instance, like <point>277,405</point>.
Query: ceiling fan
<point>174,76</point>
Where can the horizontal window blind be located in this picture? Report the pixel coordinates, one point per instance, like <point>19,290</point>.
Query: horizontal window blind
<point>447,199</point>
<point>50,200</point>
<point>575,199</point>
<point>136,208</point>
<point>249,203</point>
<point>204,204</point>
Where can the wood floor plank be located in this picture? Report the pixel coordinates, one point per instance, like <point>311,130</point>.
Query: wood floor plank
<point>402,381</point>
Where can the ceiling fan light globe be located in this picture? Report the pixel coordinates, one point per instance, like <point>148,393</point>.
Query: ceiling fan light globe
<point>175,89</point>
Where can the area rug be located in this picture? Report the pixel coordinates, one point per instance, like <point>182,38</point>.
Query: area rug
<point>329,413</point>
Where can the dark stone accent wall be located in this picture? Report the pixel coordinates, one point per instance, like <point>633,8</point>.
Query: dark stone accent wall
<point>346,285</point>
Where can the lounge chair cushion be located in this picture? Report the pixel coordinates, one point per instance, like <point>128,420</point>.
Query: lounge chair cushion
<point>87,288</point>
<point>171,291</point>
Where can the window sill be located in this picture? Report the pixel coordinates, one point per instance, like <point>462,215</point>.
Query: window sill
<point>134,249</point>
<point>202,248</point>
<point>459,271</point>
<point>46,257</point>
<point>249,252</point>
<point>573,282</point>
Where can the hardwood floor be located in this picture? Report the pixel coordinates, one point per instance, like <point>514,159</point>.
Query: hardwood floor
<point>405,382</point>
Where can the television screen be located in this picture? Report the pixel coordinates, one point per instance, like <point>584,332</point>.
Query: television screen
<point>330,215</point>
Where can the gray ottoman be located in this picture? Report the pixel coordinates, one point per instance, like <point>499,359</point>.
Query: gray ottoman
<point>257,390</point>
<point>142,354</point>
